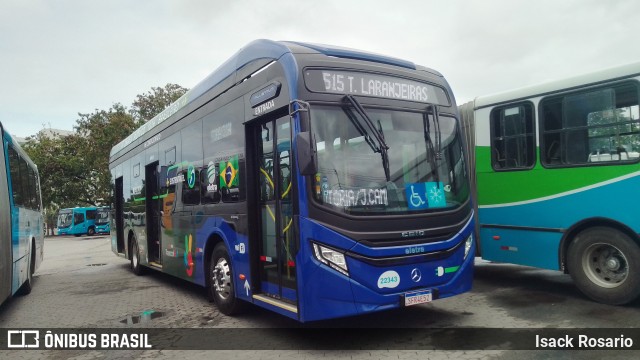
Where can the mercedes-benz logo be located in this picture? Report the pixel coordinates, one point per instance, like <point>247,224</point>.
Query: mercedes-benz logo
<point>416,275</point>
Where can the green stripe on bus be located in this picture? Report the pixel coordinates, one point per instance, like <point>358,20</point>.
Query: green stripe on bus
<point>177,165</point>
<point>501,187</point>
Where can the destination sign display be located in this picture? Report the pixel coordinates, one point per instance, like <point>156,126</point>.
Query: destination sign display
<point>368,84</point>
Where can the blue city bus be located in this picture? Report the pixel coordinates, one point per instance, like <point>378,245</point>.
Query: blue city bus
<point>103,224</point>
<point>77,221</point>
<point>311,180</point>
<point>21,220</point>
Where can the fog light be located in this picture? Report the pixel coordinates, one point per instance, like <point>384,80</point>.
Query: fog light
<point>331,258</point>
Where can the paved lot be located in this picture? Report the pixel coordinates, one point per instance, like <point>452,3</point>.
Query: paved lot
<point>81,283</point>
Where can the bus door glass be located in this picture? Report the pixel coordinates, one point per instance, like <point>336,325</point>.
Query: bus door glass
<point>153,211</point>
<point>277,244</point>
<point>78,221</point>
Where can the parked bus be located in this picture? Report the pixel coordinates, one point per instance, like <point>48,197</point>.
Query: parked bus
<point>103,224</point>
<point>557,171</point>
<point>310,180</point>
<point>77,221</point>
<point>21,220</point>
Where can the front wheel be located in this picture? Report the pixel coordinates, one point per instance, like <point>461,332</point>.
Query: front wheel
<point>91,231</point>
<point>221,284</point>
<point>605,265</point>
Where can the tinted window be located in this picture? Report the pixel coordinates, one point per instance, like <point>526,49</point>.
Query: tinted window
<point>224,161</point>
<point>78,218</point>
<point>16,182</point>
<point>191,163</point>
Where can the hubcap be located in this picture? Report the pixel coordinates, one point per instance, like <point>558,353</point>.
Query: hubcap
<point>221,279</point>
<point>605,265</point>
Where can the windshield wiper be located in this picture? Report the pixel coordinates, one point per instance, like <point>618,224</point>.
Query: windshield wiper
<point>434,151</point>
<point>378,135</point>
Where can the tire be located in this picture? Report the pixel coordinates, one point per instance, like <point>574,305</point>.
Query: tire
<point>135,258</point>
<point>221,282</point>
<point>605,265</point>
<point>91,231</point>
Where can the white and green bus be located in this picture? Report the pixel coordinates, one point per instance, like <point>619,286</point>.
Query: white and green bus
<point>557,175</point>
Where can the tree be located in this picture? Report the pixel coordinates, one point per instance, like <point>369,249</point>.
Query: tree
<point>150,104</point>
<point>98,132</point>
<point>74,169</point>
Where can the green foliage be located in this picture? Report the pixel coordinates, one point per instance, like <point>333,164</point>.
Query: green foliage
<point>74,169</point>
<point>148,105</point>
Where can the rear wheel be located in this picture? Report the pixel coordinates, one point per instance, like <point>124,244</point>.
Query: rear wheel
<point>605,265</point>
<point>221,285</point>
<point>135,257</point>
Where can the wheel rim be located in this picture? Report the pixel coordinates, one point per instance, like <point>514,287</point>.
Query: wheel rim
<point>605,265</point>
<point>135,256</point>
<point>221,279</point>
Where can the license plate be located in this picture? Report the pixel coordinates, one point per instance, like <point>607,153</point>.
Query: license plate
<point>418,297</point>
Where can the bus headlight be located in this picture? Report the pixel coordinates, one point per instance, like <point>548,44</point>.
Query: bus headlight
<point>332,258</point>
<point>467,245</point>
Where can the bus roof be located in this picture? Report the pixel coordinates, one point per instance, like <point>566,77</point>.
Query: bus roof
<point>268,51</point>
<point>593,78</point>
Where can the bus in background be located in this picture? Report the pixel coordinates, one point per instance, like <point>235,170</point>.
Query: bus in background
<point>311,180</point>
<point>21,220</point>
<point>103,223</point>
<point>557,173</point>
<point>77,221</point>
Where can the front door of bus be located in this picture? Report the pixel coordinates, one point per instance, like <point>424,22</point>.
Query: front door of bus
<point>277,246</point>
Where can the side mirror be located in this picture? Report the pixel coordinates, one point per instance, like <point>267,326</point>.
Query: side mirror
<point>306,154</point>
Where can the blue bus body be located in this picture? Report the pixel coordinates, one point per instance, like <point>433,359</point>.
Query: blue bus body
<point>21,220</point>
<point>213,190</point>
<point>77,221</point>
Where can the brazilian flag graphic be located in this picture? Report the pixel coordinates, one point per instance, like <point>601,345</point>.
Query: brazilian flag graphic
<point>229,173</point>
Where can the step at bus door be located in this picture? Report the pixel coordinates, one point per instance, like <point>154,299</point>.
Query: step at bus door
<point>275,241</point>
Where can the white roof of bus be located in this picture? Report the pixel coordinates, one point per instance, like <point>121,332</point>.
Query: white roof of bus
<point>618,72</point>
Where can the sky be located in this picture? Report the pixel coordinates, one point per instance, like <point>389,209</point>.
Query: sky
<point>65,57</point>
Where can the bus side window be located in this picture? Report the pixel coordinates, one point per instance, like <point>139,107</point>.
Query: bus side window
<point>78,218</point>
<point>512,137</point>
<point>16,183</point>
<point>209,185</point>
<point>589,127</point>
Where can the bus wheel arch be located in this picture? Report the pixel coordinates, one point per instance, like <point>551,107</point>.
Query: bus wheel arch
<point>603,259</point>
<point>213,240</point>
<point>26,288</point>
<point>220,280</point>
<point>571,234</point>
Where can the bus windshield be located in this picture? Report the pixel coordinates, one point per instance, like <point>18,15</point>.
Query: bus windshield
<point>421,170</point>
<point>102,216</point>
<point>64,219</point>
